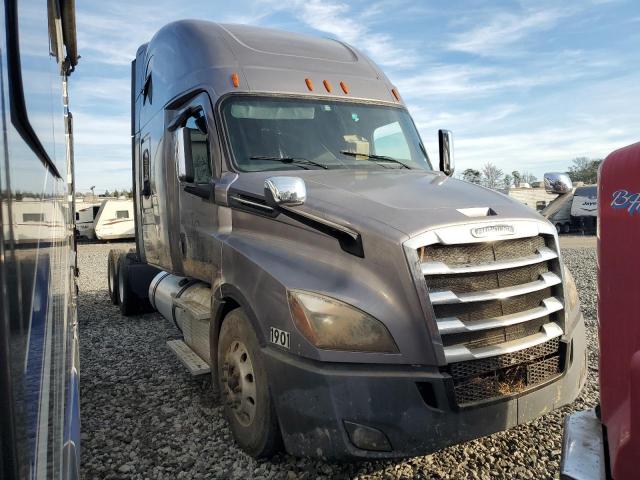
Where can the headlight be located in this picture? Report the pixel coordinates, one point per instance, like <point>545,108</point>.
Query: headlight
<point>334,325</point>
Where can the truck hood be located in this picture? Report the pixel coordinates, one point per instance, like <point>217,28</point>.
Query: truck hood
<point>409,201</point>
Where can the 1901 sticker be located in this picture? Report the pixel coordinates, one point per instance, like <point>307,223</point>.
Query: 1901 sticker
<point>280,337</point>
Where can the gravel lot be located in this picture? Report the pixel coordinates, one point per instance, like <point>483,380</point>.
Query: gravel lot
<point>144,416</point>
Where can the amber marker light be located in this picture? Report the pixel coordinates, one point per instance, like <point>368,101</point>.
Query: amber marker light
<point>344,87</point>
<point>235,79</point>
<point>309,84</point>
<point>395,94</point>
<point>327,85</point>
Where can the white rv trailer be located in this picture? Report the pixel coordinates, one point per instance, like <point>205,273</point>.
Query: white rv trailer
<point>115,220</point>
<point>34,220</point>
<point>86,213</point>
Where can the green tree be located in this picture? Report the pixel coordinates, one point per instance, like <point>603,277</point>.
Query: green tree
<point>517,178</point>
<point>508,181</point>
<point>584,169</point>
<point>472,175</point>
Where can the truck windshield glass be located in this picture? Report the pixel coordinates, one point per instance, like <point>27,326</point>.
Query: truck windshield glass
<point>268,133</point>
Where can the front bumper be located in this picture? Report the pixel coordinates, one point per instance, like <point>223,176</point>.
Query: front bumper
<point>583,456</point>
<point>313,400</point>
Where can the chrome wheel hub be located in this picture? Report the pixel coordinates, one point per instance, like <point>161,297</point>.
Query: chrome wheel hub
<point>238,380</point>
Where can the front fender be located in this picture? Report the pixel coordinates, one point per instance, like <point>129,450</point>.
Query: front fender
<point>258,269</point>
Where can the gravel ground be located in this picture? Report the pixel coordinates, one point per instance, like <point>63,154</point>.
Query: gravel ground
<point>144,416</point>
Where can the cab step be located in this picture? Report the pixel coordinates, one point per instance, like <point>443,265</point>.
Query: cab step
<point>196,310</point>
<point>190,359</point>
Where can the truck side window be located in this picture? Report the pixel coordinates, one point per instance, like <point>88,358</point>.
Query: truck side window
<point>389,140</point>
<point>200,156</point>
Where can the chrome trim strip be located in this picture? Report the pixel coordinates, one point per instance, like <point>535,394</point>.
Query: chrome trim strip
<point>439,268</point>
<point>455,325</point>
<point>250,203</point>
<point>460,353</point>
<point>547,279</point>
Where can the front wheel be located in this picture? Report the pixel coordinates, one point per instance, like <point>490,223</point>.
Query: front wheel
<point>243,383</point>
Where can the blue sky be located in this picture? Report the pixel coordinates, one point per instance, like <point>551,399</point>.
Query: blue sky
<point>527,85</point>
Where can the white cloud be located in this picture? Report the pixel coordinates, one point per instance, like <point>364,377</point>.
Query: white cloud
<point>340,20</point>
<point>503,30</point>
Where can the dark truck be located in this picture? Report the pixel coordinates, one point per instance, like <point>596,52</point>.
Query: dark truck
<point>349,299</point>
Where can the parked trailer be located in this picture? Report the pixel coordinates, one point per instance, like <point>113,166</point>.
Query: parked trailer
<point>115,220</point>
<point>575,210</point>
<point>36,219</point>
<point>604,443</point>
<point>348,299</point>
<point>39,394</point>
<point>86,213</point>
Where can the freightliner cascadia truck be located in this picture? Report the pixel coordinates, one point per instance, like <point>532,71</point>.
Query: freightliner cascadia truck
<point>349,298</point>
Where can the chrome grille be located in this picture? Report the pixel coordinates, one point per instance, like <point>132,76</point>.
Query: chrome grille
<point>498,306</point>
<point>493,293</point>
<point>497,302</point>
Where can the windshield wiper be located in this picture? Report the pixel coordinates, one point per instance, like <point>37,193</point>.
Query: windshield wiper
<point>294,160</point>
<point>371,157</point>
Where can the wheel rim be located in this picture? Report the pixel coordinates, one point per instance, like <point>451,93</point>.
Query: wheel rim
<point>238,379</point>
<point>121,288</point>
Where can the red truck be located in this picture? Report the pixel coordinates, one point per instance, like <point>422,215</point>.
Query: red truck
<point>605,442</point>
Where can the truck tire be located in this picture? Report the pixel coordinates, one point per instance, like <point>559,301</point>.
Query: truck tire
<point>566,228</point>
<point>113,265</point>
<point>126,296</point>
<point>244,388</point>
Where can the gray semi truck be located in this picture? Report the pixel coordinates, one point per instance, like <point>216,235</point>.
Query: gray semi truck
<point>349,298</point>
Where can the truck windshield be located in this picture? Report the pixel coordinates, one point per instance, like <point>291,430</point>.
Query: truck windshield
<point>285,134</point>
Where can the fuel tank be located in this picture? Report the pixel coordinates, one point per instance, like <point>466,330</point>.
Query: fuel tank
<point>187,303</point>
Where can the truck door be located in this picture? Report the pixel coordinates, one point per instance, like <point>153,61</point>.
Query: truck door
<point>148,203</point>
<point>196,155</point>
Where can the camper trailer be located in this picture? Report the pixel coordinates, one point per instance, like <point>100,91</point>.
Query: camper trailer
<point>36,220</point>
<point>86,213</point>
<point>349,298</point>
<point>575,210</point>
<point>114,220</point>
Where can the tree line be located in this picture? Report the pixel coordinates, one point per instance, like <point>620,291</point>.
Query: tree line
<point>583,169</point>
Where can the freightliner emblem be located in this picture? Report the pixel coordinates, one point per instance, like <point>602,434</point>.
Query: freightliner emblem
<point>491,230</point>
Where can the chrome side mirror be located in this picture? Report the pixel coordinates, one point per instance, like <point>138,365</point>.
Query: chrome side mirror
<point>184,163</point>
<point>555,182</point>
<point>445,144</point>
<point>285,191</point>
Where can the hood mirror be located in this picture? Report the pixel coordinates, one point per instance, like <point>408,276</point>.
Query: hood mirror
<point>286,191</point>
<point>555,182</point>
<point>445,144</point>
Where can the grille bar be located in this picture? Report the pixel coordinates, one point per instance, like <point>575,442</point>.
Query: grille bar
<point>543,254</point>
<point>546,279</point>
<point>449,325</point>
<point>461,353</point>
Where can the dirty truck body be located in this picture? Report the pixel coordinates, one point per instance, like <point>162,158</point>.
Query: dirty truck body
<point>393,311</point>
